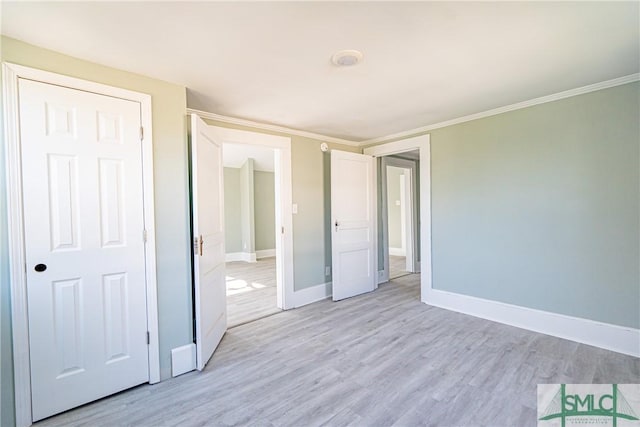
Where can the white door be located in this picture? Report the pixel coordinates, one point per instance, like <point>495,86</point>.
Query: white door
<point>208,230</point>
<point>353,222</point>
<point>85,252</point>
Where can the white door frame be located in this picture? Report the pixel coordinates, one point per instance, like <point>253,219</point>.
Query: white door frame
<point>410,218</point>
<point>423,144</point>
<point>19,315</point>
<point>283,193</point>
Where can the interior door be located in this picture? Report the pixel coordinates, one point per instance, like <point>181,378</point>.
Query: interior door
<point>208,231</point>
<point>85,250</point>
<point>353,219</point>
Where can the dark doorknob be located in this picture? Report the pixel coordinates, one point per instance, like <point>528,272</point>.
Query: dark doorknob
<point>40,268</point>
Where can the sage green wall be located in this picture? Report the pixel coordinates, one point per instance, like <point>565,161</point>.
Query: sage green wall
<point>171,200</point>
<point>539,207</point>
<point>312,192</point>
<point>247,209</point>
<point>265,210</point>
<point>393,211</point>
<point>232,226</point>
<point>264,218</point>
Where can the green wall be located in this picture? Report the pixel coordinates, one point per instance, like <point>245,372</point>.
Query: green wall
<point>232,225</point>
<point>312,192</point>
<point>264,217</point>
<point>265,210</point>
<point>171,201</point>
<point>539,207</point>
<point>247,208</point>
<point>393,211</point>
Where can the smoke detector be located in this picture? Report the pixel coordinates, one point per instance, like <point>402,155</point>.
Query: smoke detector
<point>346,58</point>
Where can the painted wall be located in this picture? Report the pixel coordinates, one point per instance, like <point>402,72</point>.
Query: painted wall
<point>171,198</point>
<point>232,225</point>
<point>312,192</point>
<point>265,210</point>
<point>263,200</point>
<point>540,207</point>
<point>394,175</point>
<point>247,209</point>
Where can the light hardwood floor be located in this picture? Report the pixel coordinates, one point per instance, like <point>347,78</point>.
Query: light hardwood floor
<point>251,290</point>
<point>397,266</point>
<point>379,359</point>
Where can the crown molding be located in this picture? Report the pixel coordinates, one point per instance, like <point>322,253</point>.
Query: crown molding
<point>272,128</point>
<point>536,101</point>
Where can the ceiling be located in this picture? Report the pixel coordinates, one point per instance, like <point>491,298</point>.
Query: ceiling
<point>424,62</point>
<point>235,155</point>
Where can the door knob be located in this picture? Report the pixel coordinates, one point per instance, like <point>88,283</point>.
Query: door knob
<point>40,268</point>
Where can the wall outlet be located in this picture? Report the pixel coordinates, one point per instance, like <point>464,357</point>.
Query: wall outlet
<point>327,271</point>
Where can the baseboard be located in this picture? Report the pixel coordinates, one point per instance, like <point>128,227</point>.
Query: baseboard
<point>312,294</point>
<point>397,252</point>
<point>183,359</point>
<point>241,256</point>
<point>265,253</point>
<point>604,335</point>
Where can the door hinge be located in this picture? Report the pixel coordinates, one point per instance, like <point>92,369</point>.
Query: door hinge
<point>148,338</point>
<point>282,230</point>
<point>141,133</point>
<point>144,236</point>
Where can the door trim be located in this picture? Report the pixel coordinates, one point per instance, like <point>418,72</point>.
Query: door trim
<point>284,196</point>
<point>412,233</point>
<point>422,143</point>
<point>15,219</point>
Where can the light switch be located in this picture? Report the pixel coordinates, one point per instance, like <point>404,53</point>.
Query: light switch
<point>294,208</point>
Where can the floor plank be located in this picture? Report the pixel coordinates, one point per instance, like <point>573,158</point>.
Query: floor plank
<point>251,290</point>
<point>397,266</point>
<point>378,359</point>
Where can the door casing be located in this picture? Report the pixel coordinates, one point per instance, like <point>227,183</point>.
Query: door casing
<point>15,219</point>
<point>283,206</point>
<point>412,234</point>
<point>423,144</point>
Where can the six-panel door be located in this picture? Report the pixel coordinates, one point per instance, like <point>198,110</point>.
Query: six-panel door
<point>83,221</point>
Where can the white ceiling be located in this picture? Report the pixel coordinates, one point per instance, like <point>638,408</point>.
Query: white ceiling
<point>234,156</point>
<point>424,62</point>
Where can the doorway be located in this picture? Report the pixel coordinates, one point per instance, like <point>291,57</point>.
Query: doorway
<point>208,206</point>
<point>250,232</point>
<point>416,149</point>
<point>399,213</point>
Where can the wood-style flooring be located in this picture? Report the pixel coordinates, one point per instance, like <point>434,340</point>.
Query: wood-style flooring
<point>251,290</point>
<point>380,359</point>
<point>397,266</point>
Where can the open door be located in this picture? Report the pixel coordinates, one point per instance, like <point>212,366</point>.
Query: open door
<point>353,219</point>
<point>208,232</point>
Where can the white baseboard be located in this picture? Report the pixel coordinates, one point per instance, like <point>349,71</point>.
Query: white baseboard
<point>183,359</point>
<point>265,253</point>
<point>397,252</point>
<point>241,256</point>
<point>312,294</point>
<point>610,337</point>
